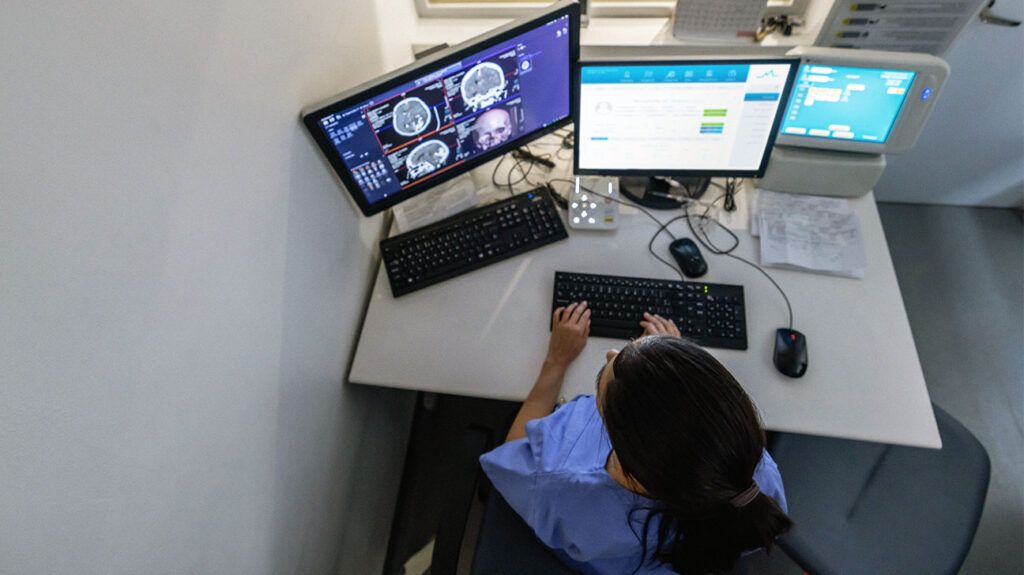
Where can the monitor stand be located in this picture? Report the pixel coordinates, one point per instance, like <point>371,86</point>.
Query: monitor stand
<point>658,194</point>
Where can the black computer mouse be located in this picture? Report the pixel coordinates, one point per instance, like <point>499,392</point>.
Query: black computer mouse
<point>688,257</point>
<point>790,352</point>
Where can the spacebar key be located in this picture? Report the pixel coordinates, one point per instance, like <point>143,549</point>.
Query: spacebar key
<point>615,328</point>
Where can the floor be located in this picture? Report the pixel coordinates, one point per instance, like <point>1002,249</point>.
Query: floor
<point>970,342</point>
<point>971,345</point>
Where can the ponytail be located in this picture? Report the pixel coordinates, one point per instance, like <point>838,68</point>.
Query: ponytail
<point>712,544</point>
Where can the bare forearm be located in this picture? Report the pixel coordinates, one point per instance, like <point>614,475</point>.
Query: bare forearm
<point>541,400</point>
<point>569,329</point>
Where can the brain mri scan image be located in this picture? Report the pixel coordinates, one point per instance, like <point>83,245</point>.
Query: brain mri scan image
<point>426,157</point>
<point>493,127</point>
<point>411,116</point>
<point>483,85</point>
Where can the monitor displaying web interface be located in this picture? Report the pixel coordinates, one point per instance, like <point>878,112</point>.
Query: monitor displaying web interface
<point>699,118</point>
<point>846,103</point>
<point>393,142</point>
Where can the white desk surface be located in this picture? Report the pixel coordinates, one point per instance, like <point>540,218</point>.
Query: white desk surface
<point>485,333</point>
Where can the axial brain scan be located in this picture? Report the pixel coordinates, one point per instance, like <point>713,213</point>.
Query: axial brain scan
<point>426,158</point>
<point>483,85</point>
<point>411,116</point>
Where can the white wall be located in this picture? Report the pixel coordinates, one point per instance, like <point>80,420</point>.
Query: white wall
<point>972,150</point>
<point>181,282</point>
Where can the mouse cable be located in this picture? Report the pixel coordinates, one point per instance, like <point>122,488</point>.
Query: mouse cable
<point>661,226</point>
<point>707,243</point>
<point>704,241</point>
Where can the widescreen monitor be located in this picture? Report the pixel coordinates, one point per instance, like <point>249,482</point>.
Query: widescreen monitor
<point>402,134</point>
<point>685,117</point>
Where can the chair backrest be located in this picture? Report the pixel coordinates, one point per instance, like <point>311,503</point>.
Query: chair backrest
<point>507,545</point>
<point>477,519</point>
<point>870,508</point>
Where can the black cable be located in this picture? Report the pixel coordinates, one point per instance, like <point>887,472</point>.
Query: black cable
<point>616,200</point>
<point>704,241</point>
<point>650,245</point>
<point>661,226</point>
<point>494,173</point>
<point>729,192</point>
<point>731,185</point>
<point>789,308</point>
<point>524,174</point>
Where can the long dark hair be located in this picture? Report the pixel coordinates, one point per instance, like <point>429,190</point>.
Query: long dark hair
<point>684,429</point>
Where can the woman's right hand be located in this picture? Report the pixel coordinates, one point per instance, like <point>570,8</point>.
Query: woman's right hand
<point>657,325</point>
<point>570,327</point>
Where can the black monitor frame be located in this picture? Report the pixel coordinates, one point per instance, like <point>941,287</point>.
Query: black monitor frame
<point>683,61</point>
<point>311,117</point>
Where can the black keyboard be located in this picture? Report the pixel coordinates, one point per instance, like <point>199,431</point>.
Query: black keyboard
<point>471,240</point>
<point>712,315</point>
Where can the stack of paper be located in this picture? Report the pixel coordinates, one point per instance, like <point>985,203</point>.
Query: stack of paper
<point>808,233</point>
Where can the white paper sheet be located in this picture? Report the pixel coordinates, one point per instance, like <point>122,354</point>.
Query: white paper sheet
<point>453,197</point>
<point>809,233</point>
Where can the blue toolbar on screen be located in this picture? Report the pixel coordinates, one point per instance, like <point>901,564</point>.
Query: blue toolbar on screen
<point>846,103</point>
<point>665,74</point>
<point>417,131</point>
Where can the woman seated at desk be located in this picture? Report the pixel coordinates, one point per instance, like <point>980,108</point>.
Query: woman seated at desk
<point>663,469</point>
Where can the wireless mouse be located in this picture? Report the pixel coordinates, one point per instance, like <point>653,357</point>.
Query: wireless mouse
<point>688,257</point>
<point>790,356</point>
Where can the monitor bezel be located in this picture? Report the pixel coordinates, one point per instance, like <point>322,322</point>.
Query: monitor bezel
<point>311,117</point>
<point>683,61</point>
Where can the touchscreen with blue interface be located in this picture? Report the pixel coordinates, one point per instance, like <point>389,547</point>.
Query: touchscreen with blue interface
<point>846,103</point>
<point>405,138</point>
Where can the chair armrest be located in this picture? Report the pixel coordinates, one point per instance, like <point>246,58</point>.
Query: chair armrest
<point>462,490</point>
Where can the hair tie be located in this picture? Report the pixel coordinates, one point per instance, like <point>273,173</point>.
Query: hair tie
<point>743,498</point>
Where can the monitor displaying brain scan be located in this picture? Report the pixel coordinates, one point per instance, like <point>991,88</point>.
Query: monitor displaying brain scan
<point>398,140</point>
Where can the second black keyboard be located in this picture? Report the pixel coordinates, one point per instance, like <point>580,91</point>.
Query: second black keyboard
<point>471,240</point>
<point>712,315</point>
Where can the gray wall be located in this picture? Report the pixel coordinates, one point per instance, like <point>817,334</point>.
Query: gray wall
<point>180,285</point>
<point>972,150</point>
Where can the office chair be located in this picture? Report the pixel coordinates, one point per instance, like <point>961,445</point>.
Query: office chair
<point>479,533</point>
<point>871,508</point>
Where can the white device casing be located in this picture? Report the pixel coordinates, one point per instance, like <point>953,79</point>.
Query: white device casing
<point>590,211</point>
<point>821,172</point>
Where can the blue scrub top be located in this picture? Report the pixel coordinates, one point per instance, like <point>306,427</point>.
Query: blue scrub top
<point>555,479</point>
